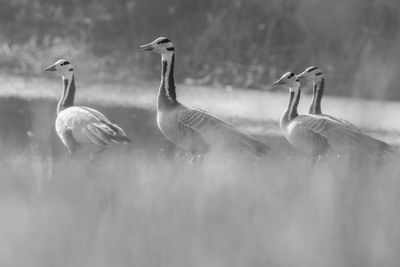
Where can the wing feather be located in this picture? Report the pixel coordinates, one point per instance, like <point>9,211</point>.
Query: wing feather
<point>93,136</point>
<point>339,134</point>
<point>192,139</point>
<point>341,121</point>
<point>69,141</point>
<point>111,131</point>
<point>211,126</point>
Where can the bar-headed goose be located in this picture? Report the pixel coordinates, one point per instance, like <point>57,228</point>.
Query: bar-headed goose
<point>316,135</point>
<point>81,126</point>
<point>192,129</point>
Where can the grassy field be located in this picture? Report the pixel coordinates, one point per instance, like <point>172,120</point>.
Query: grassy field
<point>131,207</point>
<point>126,209</point>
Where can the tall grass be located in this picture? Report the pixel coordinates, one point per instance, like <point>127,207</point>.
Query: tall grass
<point>129,209</point>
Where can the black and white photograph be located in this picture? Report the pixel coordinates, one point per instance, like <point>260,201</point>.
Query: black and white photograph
<point>188,133</point>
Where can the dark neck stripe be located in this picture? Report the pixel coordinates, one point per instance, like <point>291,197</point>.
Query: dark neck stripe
<point>318,92</point>
<point>293,103</point>
<point>294,113</point>
<point>67,99</point>
<point>70,96</point>
<point>167,92</point>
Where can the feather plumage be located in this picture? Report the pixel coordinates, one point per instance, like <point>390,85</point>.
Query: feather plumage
<point>88,127</point>
<point>81,126</point>
<point>189,128</point>
<point>215,130</point>
<point>336,136</point>
<point>315,134</point>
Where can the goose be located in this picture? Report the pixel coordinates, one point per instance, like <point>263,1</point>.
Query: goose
<point>316,76</point>
<point>79,126</point>
<point>317,135</point>
<point>194,130</point>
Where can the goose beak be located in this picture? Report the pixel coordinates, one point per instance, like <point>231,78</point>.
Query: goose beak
<point>147,47</point>
<point>51,68</point>
<point>279,82</point>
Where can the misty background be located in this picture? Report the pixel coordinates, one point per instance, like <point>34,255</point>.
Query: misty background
<point>240,43</point>
<point>141,204</point>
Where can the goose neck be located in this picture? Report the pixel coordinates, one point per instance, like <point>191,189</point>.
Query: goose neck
<point>167,93</point>
<point>318,91</point>
<point>291,109</point>
<point>68,96</point>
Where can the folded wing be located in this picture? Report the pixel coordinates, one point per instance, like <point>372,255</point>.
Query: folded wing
<point>101,130</point>
<point>214,129</point>
<point>339,135</point>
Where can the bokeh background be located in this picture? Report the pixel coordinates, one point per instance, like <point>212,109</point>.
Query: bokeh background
<point>239,43</point>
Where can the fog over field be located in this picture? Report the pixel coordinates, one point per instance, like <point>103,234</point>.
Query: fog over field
<point>145,203</point>
<point>128,208</point>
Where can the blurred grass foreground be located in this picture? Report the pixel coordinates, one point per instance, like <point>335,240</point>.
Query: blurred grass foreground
<point>140,205</point>
<point>240,43</point>
<point>127,209</point>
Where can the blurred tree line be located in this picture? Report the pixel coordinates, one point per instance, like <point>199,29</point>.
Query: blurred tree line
<point>240,43</point>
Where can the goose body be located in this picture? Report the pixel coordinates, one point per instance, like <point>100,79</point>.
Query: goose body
<point>316,135</point>
<point>196,130</point>
<point>78,126</point>
<point>174,127</point>
<point>303,138</point>
<point>81,126</point>
<point>192,129</point>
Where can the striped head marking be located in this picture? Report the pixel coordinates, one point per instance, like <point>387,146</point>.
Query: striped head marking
<point>289,79</point>
<point>62,67</point>
<point>160,45</point>
<point>311,73</point>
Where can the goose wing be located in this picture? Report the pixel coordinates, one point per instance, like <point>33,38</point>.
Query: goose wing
<point>341,121</point>
<point>189,138</point>
<point>338,134</point>
<point>214,129</point>
<point>104,129</point>
<point>84,125</point>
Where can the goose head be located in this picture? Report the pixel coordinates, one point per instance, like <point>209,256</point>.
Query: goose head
<point>160,45</point>
<point>290,80</point>
<point>311,74</point>
<point>62,67</point>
